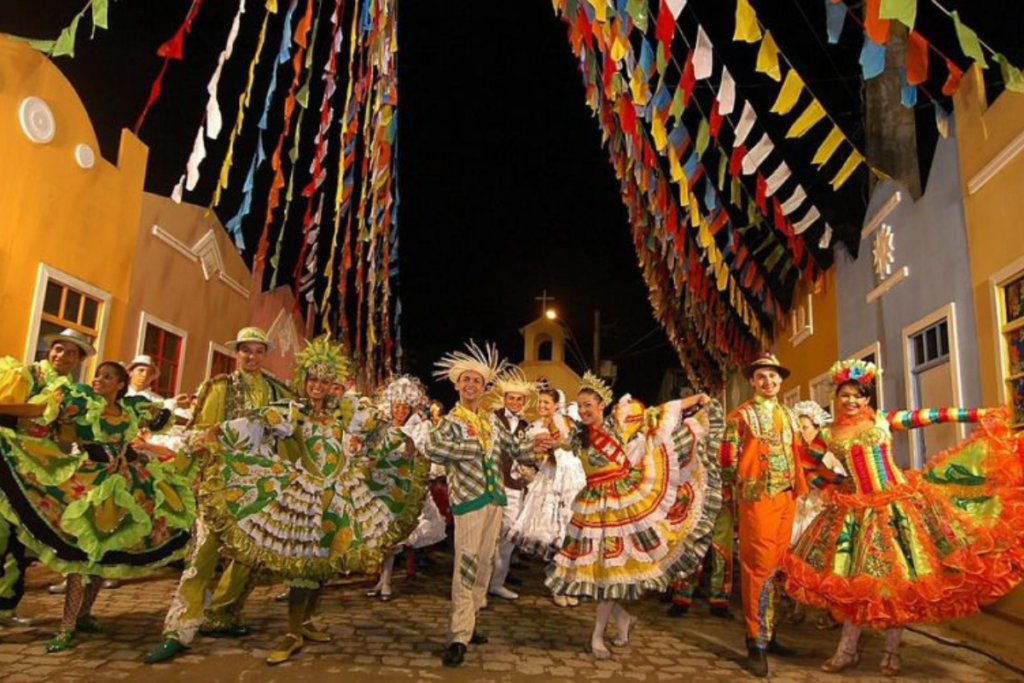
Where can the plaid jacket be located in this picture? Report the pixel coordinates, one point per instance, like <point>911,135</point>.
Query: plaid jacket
<point>470,446</point>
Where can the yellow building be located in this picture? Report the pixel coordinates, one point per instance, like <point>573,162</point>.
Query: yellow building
<point>68,217</point>
<point>807,342</point>
<point>82,246</point>
<point>991,146</point>
<point>991,141</point>
<point>544,355</point>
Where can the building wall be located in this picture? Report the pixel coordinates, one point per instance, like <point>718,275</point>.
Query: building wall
<point>189,275</point>
<point>929,239</point>
<point>991,142</point>
<point>80,221</point>
<point>808,352</point>
<point>555,371</point>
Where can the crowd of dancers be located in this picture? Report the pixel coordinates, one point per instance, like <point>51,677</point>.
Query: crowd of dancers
<point>303,483</point>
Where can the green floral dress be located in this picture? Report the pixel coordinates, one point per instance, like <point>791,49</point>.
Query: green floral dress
<point>83,499</point>
<point>292,494</point>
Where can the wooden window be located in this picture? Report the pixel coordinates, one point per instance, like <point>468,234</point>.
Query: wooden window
<point>165,347</point>
<point>66,307</point>
<point>221,363</point>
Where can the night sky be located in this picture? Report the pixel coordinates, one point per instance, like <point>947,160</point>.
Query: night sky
<point>505,188</point>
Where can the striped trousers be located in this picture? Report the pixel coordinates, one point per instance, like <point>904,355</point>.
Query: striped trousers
<point>476,538</point>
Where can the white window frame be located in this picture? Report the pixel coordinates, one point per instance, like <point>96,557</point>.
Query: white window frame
<point>947,313</point>
<point>791,397</point>
<point>46,273</point>
<point>874,347</point>
<point>220,348</point>
<point>146,319</point>
<point>996,283</point>
<point>825,377</point>
<point>802,321</point>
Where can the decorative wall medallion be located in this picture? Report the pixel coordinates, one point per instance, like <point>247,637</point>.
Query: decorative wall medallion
<point>37,120</point>
<point>884,252</point>
<point>85,156</point>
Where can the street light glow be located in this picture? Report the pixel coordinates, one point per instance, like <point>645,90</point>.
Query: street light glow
<point>550,314</point>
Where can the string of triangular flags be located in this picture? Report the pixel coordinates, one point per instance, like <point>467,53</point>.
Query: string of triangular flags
<point>693,292</point>
<point>700,66</point>
<point>64,44</point>
<point>172,50</point>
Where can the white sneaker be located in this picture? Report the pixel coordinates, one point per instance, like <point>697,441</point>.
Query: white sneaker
<point>504,593</point>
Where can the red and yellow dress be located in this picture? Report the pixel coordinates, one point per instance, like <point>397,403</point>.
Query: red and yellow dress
<point>646,513</point>
<point>906,547</point>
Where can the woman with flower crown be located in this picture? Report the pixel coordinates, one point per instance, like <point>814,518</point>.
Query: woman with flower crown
<point>646,513</point>
<point>397,445</point>
<point>896,547</point>
<point>287,498</point>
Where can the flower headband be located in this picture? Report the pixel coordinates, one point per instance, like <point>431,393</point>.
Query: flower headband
<point>854,370</point>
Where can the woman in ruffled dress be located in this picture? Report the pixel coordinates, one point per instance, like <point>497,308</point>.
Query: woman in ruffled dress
<point>287,498</point>
<point>898,547</point>
<point>541,526</point>
<point>83,500</point>
<point>402,403</point>
<point>646,513</point>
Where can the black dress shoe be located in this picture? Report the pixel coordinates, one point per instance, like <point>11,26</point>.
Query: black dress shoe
<point>455,655</point>
<point>678,611</point>
<point>233,631</point>
<point>722,613</point>
<point>780,650</point>
<point>757,662</point>
<point>478,638</point>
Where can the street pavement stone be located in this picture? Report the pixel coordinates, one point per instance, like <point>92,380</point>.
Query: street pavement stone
<point>403,640</point>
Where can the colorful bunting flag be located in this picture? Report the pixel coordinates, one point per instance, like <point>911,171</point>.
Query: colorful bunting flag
<point>872,58</point>
<point>828,147</point>
<point>768,58</point>
<point>904,11</point>
<point>835,17</point>
<point>790,92</point>
<point>855,159</point>
<point>746,123</point>
<point>1011,75</point>
<point>807,120</point>
<point>876,27</point>
<point>969,43</point>
<point>726,93</point>
<point>702,56</point>
<point>917,58</point>
<point>757,154</point>
<point>747,28</point>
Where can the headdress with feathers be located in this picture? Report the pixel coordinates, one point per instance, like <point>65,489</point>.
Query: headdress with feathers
<point>321,358</point>
<point>813,410</point>
<point>597,385</point>
<point>402,389</point>
<point>484,361</point>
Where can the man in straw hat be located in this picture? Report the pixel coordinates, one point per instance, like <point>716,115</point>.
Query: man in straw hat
<point>221,398</point>
<point>469,442</point>
<point>763,453</point>
<point>516,391</point>
<point>18,385</point>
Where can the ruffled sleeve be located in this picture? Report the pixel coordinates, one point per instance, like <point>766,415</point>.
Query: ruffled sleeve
<point>15,381</point>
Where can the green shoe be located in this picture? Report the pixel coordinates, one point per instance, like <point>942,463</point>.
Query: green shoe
<point>60,642</point>
<point>164,652</point>
<point>88,624</point>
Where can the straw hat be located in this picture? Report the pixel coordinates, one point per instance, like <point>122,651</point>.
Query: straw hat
<point>144,359</point>
<point>766,360</point>
<point>250,335</point>
<point>69,336</point>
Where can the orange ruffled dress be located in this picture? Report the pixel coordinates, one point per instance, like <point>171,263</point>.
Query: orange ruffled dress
<point>916,546</point>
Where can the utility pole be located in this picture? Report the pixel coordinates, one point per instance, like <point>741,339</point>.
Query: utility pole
<point>597,341</point>
<point>890,128</point>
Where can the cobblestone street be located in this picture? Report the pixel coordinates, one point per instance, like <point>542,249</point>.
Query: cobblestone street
<point>402,640</point>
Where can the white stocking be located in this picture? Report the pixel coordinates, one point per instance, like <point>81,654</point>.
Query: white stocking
<point>847,649</point>
<point>892,640</point>
<point>623,624</point>
<point>604,612</point>
<point>384,585</point>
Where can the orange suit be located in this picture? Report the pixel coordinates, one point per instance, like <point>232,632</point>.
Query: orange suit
<point>763,447</point>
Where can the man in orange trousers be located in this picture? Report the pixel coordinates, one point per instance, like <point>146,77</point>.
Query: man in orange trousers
<point>772,468</point>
